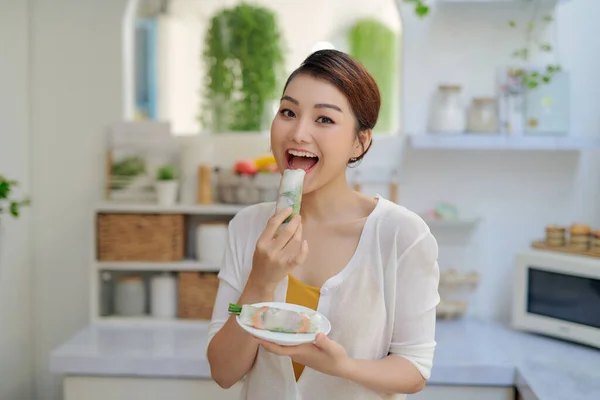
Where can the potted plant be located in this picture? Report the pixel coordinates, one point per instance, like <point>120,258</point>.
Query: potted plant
<point>9,205</point>
<point>166,185</point>
<point>244,58</point>
<point>375,45</point>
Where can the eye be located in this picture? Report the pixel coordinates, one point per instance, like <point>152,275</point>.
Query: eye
<point>325,120</point>
<point>287,113</point>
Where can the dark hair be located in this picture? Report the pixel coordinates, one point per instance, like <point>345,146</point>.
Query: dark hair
<point>353,80</point>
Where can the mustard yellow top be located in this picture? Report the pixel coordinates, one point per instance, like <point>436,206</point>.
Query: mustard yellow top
<point>303,295</point>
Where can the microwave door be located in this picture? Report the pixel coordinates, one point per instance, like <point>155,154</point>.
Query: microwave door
<point>564,297</point>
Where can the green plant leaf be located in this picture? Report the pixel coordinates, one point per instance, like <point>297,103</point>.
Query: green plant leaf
<point>376,46</point>
<point>244,57</point>
<point>166,173</point>
<point>7,200</point>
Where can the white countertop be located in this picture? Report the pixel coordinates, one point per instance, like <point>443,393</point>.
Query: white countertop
<point>469,352</point>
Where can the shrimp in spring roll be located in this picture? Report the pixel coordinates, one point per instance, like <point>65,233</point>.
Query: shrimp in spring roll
<point>277,319</point>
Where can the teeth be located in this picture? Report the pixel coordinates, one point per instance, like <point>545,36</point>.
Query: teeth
<point>301,153</point>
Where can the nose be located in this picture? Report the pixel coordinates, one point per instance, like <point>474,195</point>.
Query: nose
<point>301,132</point>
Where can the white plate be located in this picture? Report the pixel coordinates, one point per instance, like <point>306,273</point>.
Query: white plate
<point>287,339</point>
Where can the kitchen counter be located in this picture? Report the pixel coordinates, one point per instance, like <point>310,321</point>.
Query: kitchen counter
<point>469,353</point>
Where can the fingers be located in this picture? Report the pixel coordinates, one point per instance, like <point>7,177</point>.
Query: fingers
<point>290,245</point>
<point>275,222</point>
<point>301,257</point>
<point>279,350</point>
<point>287,232</point>
<point>275,348</point>
<point>322,341</point>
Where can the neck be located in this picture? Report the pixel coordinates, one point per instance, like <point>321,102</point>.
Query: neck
<point>333,202</point>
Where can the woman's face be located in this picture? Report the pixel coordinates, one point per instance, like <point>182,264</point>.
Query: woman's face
<point>314,129</point>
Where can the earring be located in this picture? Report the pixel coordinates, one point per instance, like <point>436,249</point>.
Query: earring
<point>354,162</point>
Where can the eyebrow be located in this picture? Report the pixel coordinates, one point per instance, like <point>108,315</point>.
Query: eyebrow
<point>320,105</point>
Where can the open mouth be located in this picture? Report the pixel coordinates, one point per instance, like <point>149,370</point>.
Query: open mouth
<point>301,159</point>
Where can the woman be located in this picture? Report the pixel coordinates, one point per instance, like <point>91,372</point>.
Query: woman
<point>366,263</point>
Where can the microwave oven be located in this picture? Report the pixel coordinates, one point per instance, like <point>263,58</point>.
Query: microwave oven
<point>557,294</point>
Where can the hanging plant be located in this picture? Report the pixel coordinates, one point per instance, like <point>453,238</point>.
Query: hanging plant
<point>244,59</point>
<point>8,204</point>
<point>529,79</point>
<point>375,46</point>
<point>421,8</point>
<point>532,79</point>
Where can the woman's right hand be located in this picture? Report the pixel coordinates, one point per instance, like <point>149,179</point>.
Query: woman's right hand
<point>278,251</point>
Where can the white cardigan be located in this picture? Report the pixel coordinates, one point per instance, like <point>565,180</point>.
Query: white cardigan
<point>383,302</point>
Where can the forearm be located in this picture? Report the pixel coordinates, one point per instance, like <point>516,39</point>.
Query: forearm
<point>232,351</point>
<point>392,374</point>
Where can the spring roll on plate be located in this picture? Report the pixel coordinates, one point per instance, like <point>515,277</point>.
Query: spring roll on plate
<point>282,323</point>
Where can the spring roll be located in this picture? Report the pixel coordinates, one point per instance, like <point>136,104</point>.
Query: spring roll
<point>290,191</point>
<point>277,319</point>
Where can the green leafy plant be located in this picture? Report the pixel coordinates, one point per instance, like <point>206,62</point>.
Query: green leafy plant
<point>421,7</point>
<point>244,58</point>
<point>129,166</point>
<point>530,79</point>
<point>166,173</point>
<point>375,46</point>
<point>125,170</point>
<point>7,202</point>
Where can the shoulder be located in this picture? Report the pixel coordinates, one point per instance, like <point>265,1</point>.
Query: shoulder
<point>398,219</point>
<point>400,229</point>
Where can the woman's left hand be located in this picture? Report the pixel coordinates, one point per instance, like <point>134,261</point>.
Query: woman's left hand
<point>325,355</point>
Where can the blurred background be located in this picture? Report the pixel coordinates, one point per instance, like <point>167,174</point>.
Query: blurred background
<point>121,162</point>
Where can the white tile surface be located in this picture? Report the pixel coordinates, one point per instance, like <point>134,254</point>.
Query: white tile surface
<point>469,352</point>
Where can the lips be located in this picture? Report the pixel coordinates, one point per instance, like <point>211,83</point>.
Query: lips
<point>301,159</point>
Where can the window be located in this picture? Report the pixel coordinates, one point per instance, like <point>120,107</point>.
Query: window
<point>171,39</point>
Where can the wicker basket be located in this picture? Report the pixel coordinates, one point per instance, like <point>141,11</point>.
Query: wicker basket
<point>197,293</point>
<point>232,188</point>
<point>140,237</point>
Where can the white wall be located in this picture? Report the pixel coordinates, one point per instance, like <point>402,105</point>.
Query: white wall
<point>76,91</point>
<point>16,356</point>
<point>516,194</point>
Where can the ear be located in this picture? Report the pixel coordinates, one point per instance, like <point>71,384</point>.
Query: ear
<point>365,138</point>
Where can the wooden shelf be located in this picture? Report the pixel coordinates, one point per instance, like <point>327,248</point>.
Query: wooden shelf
<point>136,208</point>
<point>502,142</point>
<point>541,245</point>
<point>185,265</point>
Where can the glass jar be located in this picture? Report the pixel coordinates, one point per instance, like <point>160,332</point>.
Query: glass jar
<point>483,115</point>
<point>448,113</point>
<point>130,296</point>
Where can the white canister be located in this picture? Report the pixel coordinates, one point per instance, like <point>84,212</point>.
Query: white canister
<point>163,296</point>
<point>130,296</point>
<point>166,192</point>
<point>448,115</point>
<point>211,238</point>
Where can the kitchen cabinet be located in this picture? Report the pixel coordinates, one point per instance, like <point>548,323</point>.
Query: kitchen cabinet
<point>438,392</point>
<point>127,388</point>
